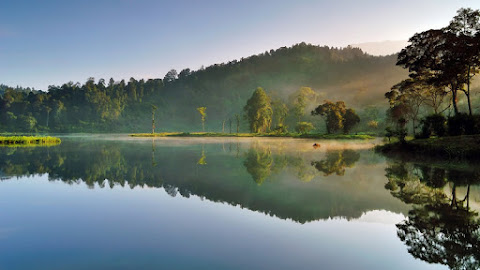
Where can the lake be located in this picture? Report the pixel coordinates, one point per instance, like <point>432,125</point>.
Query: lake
<point>115,202</point>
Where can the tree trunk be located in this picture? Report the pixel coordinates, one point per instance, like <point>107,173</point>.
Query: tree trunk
<point>468,92</point>
<point>223,126</point>
<point>454,100</point>
<point>153,122</point>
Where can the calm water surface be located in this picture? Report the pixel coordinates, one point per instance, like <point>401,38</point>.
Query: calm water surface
<point>104,202</point>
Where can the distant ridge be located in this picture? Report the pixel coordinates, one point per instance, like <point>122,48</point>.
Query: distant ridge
<point>382,48</point>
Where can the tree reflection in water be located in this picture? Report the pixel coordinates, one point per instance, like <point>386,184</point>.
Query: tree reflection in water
<point>237,178</point>
<point>258,163</point>
<point>441,227</point>
<point>336,162</point>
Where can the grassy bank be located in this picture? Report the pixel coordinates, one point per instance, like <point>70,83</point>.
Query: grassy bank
<point>457,147</point>
<point>275,135</point>
<point>28,140</point>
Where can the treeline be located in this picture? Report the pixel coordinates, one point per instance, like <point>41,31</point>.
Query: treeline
<point>261,112</point>
<point>125,106</point>
<point>442,65</point>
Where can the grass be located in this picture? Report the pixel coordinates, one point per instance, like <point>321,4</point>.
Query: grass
<point>455,147</point>
<point>281,135</point>
<point>28,140</point>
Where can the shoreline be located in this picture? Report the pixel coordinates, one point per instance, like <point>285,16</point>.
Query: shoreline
<point>466,147</point>
<point>255,135</point>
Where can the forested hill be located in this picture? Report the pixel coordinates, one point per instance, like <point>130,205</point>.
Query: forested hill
<point>345,74</point>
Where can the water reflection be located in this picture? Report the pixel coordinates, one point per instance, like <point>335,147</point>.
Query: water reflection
<point>289,181</point>
<point>258,163</point>
<point>441,227</point>
<point>336,162</point>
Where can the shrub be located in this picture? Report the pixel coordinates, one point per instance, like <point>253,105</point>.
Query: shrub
<point>433,124</point>
<point>281,129</point>
<point>463,124</point>
<point>304,127</point>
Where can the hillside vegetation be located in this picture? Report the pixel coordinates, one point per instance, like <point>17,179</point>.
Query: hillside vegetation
<point>99,105</point>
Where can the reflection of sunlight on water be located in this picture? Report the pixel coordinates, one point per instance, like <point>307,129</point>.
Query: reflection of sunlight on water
<point>381,216</point>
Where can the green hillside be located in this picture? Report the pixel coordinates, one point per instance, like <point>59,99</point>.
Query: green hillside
<point>345,74</point>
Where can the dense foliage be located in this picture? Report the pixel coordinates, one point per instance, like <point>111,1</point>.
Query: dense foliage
<point>337,116</point>
<point>442,64</point>
<point>125,106</point>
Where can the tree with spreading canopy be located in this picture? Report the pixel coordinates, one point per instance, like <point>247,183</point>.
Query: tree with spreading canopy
<point>337,116</point>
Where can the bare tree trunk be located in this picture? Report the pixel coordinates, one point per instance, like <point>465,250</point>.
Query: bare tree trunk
<point>223,126</point>
<point>468,92</point>
<point>153,122</point>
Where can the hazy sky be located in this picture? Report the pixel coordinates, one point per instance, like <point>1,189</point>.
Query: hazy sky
<point>55,41</point>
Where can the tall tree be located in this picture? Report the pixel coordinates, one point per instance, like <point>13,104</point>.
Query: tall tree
<point>466,26</point>
<point>203,114</point>
<point>280,112</point>
<point>154,108</point>
<point>333,113</point>
<point>258,111</point>
<point>237,120</point>
<point>300,99</point>
<point>430,54</point>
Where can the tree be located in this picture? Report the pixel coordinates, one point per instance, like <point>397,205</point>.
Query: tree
<point>466,26</point>
<point>299,101</point>
<point>171,76</point>
<point>259,111</point>
<point>333,114</point>
<point>203,113</point>
<point>27,122</point>
<point>154,108</point>
<point>350,119</point>
<point>448,56</point>
<point>280,112</point>
<point>48,110</point>
<point>430,55</point>
<point>237,120</point>
<point>405,99</point>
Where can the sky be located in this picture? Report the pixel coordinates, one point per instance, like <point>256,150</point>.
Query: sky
<point>51,42</point>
